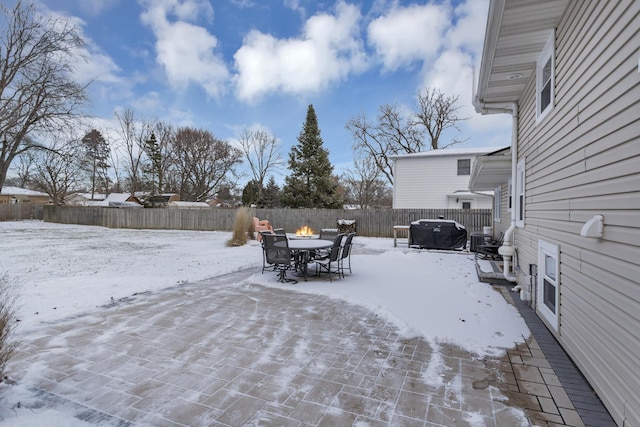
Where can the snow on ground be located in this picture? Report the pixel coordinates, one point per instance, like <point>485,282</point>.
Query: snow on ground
<point>65,270</point>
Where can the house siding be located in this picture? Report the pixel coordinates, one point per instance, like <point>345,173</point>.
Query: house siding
<point>583,160</point>
<point>423,182</point>
<point>500,227</point>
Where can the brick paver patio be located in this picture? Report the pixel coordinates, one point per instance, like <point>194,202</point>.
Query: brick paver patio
<point>227,353</point>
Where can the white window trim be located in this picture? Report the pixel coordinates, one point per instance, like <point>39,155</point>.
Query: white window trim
<point>520,194</point>
<point>548,53</point>
<point>509,196</point>
<point>497,204</point>
<point>548,249</point>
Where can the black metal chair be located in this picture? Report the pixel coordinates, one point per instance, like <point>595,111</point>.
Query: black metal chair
<point>332,258</point>
<point>328,233</point>
<point>265,264</point>
<point>490,250</point>
<point>280,255</point>
<point>346,253</point>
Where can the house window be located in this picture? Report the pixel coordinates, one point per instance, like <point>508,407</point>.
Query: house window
<point>509,196</point>
<point>548,282</point>
<point>545,79</point>
<point>520,199</point>
<point>464,166</point>
<point>497,203</point>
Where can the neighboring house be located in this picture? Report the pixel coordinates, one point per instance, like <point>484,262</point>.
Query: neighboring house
<point>117,200</point>
<point>188,205</point>
<point>437,179</point>
<point>83,199</point>
<point>15,195</point>
<point>120,200</point>
<point>568,72</point>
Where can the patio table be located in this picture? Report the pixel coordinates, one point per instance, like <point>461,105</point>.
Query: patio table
<point>304,248</point>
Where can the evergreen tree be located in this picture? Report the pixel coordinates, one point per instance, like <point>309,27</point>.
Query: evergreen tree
<point>271,194</point>
<point>250,193</point>
<point>311,184</point>
<point>157,165</point>
<point>95,160</point>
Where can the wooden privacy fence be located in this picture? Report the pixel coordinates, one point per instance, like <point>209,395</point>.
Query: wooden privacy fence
<point>369,222</point>
<point>11,212</point>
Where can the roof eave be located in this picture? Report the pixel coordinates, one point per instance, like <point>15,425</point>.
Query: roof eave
<point>490,172</point>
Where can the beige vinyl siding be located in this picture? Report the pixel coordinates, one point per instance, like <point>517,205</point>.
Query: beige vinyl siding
<point>500,227</point>
<point>583,160</point>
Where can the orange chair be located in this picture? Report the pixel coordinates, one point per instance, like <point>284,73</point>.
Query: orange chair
<point>261,225</point>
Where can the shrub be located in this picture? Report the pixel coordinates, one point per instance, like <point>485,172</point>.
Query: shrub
<point>8,322</point>
<point>242,227</point>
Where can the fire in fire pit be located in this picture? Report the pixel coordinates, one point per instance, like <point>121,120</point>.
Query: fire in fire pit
<point>304,231</point>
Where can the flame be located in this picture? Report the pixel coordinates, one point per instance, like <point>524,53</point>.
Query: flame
<point>304,231</point>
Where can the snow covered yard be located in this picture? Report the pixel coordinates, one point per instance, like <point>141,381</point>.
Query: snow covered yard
<point>69,270</point>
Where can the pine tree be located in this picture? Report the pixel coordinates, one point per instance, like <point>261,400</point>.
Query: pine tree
<point>153,168</point>
<point>95,160</point>
<point>250,193</point>
<point>311,183</point>
<point>271,194</point>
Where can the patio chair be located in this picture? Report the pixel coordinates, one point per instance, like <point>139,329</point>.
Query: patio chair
<point>261,225</point>
<point>279,231</point>
<point>265,264</point>
<point>346,253</point>
<point>490,250</point>
<point>328,233</point>
<point>279,256</point>
<point>331,259</point>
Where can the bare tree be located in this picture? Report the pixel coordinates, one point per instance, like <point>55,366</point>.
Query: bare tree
<point>133,134</point>
<point>261,151</point>
<point>56,170</point>
<point>37,92</point>
<point>395,133</point>
<point>204,163</point>
<point>438,113</point>
<point>364,183</point>
<point>391,134</point>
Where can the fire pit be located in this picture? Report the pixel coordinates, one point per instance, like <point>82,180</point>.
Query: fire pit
<point>304,232</point>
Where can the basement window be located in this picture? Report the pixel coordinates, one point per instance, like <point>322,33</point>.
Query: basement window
<point>548,286</point>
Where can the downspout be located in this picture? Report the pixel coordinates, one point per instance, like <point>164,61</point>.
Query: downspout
<point>507,250</point>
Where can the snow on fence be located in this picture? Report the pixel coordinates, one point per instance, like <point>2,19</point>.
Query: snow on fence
<point>369,222</point>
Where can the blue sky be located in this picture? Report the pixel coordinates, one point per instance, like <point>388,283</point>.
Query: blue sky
<point>225,65</point>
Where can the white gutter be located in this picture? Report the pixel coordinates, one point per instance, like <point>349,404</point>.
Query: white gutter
<point>507,250</point>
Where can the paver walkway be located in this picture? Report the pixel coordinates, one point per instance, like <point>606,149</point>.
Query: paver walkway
<point>227,353</point>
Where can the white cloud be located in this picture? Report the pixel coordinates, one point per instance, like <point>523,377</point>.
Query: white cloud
<point>409,34</point>
<point>91,63</point>
<point>96,7</point>
<point>470,23</point>
<point>327,52</point>
<point>185,50</point>
<point>452,71</point>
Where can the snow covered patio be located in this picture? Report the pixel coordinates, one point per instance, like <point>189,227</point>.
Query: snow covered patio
<point>132,327</point>
<point>214,353</point>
